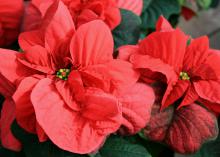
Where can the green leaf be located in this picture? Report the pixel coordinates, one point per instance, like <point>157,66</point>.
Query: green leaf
<point>116,146</point>
<point>154,148</point>
<point>7,153</point>
<point>154,8</point>
<point>214,3</point>
<point>33,148</point>
<point>146,4</point>
<point>181,2</point>
<point>97,155</point>
<point>205,4</point>
<point>128,32</point>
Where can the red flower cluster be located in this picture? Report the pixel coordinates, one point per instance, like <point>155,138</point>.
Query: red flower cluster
<point>188,66</point>
<point>190,72</point>
<point>65,85</point>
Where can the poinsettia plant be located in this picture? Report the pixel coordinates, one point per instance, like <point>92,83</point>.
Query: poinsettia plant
<point>79,78</point>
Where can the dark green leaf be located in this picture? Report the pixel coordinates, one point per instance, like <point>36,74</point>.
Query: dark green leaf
<point>181,2</point>
<point>154,8</point>
<point>154,148</point>
<point>97,155</point>
<point>33,148</point>
<point>118,147</point>
<point>215,3</point>
<point>128,32</point>
<point>146,4</point>
<point>7,153</point>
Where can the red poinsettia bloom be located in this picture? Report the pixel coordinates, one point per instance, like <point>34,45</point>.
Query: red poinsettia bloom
<point>189,67</point>
<point>75,76</point>
<point>10,16</point>
<point>133,5</point>
<point>81,11</point>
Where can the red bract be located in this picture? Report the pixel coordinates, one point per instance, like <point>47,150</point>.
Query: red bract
<point>184,130</point>
<point>7,117</point>
<point>10,17</point>
<point>136,108</point>
<point>76,92</point>
<point>189,67</point>
<point>81,11</point>
<point>187,13</point>
<point>133,5</point>
<point>34,13</point>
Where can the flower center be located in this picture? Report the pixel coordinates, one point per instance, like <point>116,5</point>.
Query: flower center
<point>188,41</point>
<point>184,76</point>
<point>63,74</point>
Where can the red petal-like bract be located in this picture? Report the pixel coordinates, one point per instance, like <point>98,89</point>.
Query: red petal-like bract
<point>188,13</point>
<point>10,68</point>
<point>25,114</point>
<point>163,25</point>
<point>191,127</point>
<point>7,117</point>
<point>83,43</point>
<point>126,51</point>
<point>164,46</point>
<point>184,130</point>
<point>136,108</point>
<point>11,12</point>
<point>82,131</point>
<point>92,50</point>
